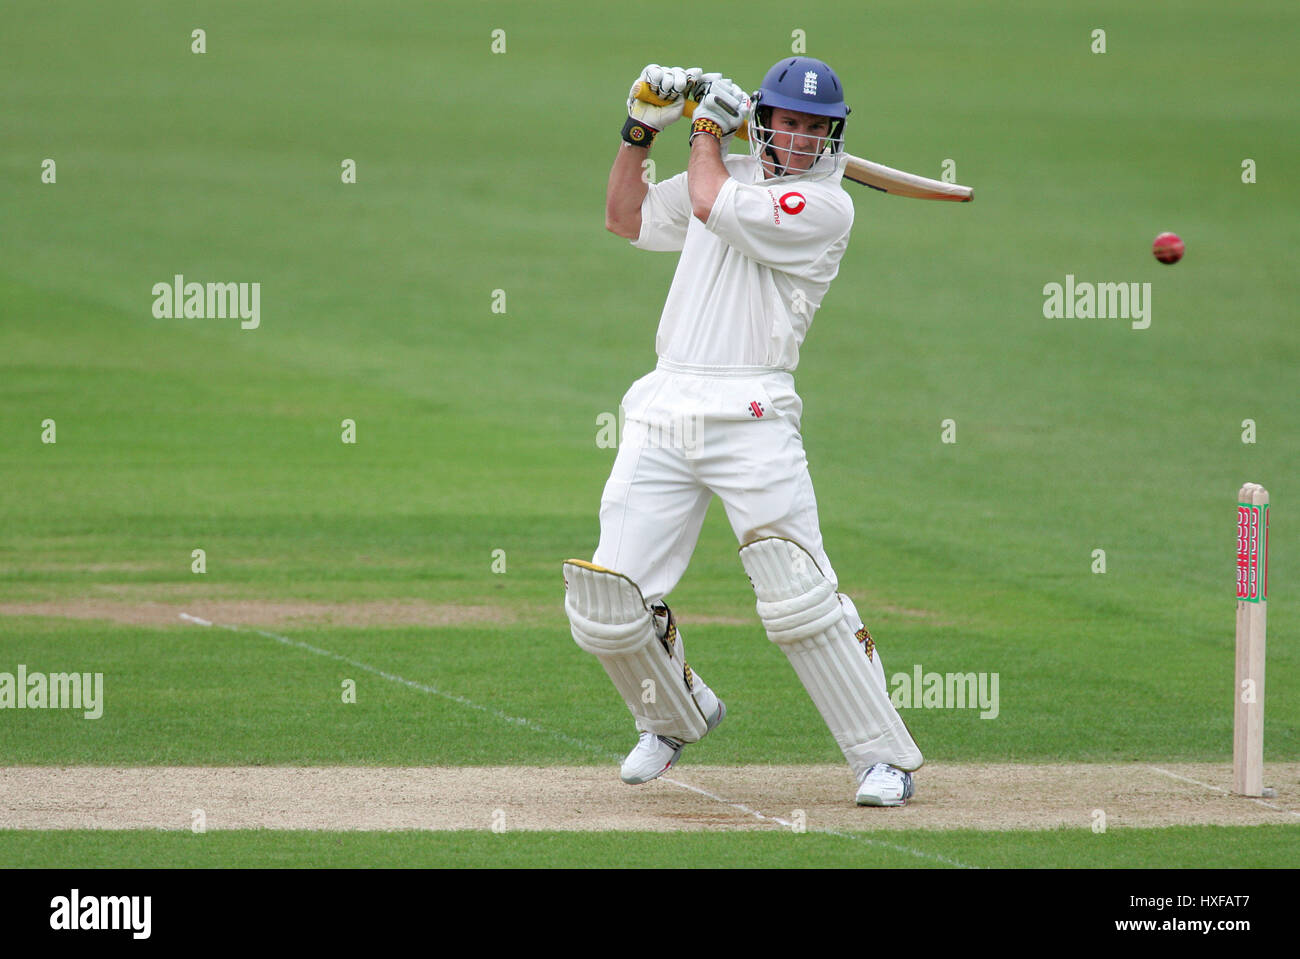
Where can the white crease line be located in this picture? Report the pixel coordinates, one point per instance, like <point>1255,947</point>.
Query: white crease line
<point>536,727</point>
<point>889,845</point>
<point>828,832</point>
<point>735,805</point>
<point>392,677</point>
<point>1220,789</point>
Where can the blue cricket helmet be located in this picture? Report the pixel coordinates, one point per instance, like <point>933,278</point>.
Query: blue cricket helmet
<point>808,86</point>
<point>803,84</point>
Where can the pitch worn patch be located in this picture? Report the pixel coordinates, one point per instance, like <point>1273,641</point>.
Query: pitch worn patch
<point>997,796</point>
<point>252,612</point>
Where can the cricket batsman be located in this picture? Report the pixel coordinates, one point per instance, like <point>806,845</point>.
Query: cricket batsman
<point>760,237</point>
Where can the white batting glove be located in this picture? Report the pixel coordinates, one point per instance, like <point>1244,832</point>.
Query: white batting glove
<point>666,83</point>
<point>723,108</point>
<point>700,88</point>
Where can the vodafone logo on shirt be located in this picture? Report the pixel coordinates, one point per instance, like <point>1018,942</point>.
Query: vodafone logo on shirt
<point>790,203</point>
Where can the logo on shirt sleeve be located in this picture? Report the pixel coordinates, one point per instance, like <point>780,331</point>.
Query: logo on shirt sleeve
<point>793,203</point>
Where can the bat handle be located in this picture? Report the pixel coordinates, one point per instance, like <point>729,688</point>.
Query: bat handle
<point>645,95</point>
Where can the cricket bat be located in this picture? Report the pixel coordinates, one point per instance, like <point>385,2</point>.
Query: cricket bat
<point>867,173</point>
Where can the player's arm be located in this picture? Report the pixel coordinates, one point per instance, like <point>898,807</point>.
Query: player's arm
<point>716,119</point>
<point>706,173</point>
<point>800,229</point>
<point>626,191</point>
<point>627,186</point>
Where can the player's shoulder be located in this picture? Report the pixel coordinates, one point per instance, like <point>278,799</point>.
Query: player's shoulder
<point>826,194</point>
<point>824,197</point>
<point>741,166</point>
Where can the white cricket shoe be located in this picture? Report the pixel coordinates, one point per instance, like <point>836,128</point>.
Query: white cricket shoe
<point>655,755</point>
<point>885,785</point>
<point>651,758</point>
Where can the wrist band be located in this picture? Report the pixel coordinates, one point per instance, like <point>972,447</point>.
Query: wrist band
<point>705,125</point>
<point>638,134</point>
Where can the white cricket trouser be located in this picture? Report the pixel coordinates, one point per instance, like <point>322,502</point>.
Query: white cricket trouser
<point>689,436</point>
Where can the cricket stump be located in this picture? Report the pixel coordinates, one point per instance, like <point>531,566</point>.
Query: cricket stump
<point>1252,612</point>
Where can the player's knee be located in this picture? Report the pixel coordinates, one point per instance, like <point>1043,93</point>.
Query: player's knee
<point>795,599</point>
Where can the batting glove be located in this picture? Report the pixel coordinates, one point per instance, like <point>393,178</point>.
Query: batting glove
<point>645,120</point>
<point>722,110</point>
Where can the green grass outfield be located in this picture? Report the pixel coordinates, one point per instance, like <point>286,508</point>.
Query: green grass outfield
<point>194,696</point>
<point>477,430</point>
<point>1174,847</point>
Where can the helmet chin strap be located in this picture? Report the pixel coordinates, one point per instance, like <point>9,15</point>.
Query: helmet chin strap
<point>776,164</point>
<point>764,119</point>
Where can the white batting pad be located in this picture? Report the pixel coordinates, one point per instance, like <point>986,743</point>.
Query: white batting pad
<point>802,614</point>
<point>609,619</point>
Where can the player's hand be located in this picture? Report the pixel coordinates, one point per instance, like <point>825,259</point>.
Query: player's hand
<point>723,102</point>
<point>703,83</point>
<point>667,83</point>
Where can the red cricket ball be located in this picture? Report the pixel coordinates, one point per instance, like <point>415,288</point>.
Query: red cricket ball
<point>1168,248</point>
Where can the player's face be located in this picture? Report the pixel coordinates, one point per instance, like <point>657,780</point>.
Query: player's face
<point>797,139</point>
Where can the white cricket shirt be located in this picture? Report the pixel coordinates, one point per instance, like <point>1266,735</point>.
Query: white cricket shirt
<point>751,279</point>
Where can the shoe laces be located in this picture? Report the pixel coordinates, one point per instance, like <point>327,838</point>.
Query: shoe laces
<point>651,741</point>
<point>885,769</point>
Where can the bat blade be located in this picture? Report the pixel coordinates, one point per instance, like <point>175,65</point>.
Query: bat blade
<point>877,176</point>
<point>888,180</point>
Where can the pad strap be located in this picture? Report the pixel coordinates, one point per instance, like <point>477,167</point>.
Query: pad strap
<point>640,649</point>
